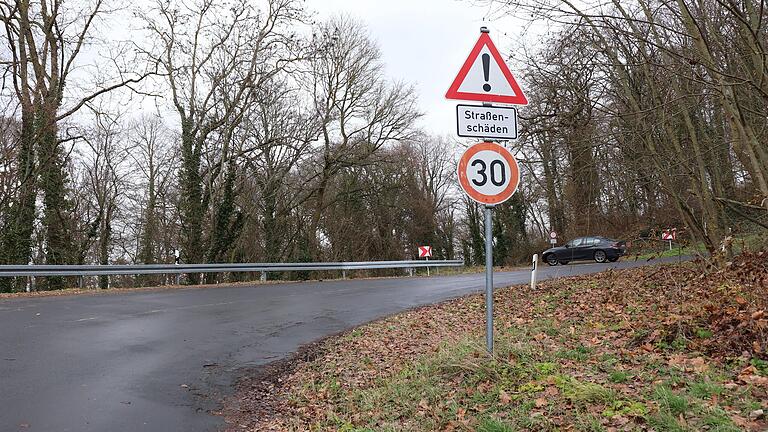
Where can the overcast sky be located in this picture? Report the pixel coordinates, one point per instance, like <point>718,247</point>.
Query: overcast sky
<point>424,42</point>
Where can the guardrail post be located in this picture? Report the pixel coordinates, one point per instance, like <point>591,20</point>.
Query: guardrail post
<point>80,282</point>
<point>410,271</point>
<point>263,276</point>
<point>178,278</point>
<point>534,270</point>
<point>343,274</point>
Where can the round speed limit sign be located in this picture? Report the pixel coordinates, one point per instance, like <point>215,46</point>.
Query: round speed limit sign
<point>488,173</point>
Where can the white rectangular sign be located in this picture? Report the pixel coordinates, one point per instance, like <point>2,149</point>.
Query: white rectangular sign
<point>486,122</point>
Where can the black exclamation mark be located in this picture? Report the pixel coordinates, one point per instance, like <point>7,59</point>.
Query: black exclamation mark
<point>486,71</point>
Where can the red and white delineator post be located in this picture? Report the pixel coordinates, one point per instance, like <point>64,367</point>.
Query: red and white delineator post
<point>425,252</point>
<point>669,235</point>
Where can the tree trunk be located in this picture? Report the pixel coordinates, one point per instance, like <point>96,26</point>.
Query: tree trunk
<point>222,236</point>
<point>191,209</point>
<point>105,237</point>
<point>55,205</point>
<point>149,235</point>
<point>271,239</point>
<point>17,237</point>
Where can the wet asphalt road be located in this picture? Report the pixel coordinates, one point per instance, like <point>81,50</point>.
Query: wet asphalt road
<point>156,361</point>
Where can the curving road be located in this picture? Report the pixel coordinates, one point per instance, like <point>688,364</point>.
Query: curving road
<point>157,360</point>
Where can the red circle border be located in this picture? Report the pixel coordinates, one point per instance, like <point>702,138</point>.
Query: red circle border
<point>473,193</point>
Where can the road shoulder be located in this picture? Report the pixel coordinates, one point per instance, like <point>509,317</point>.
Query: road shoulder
<point>642,348</point>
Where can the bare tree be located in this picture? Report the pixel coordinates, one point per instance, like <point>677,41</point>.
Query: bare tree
<point>106,181</point>
<point>433,194</point>
<point>45,40</point>
<point>214,58</point>
<point>671,99</point>
<point>359,111</point>
<point>278,138</point>
<point>152,154</point>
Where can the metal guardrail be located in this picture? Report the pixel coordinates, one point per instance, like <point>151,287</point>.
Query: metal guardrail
<point>142,269</point>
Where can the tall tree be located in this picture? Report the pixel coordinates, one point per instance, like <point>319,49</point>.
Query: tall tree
<point>45,40</point>
<point>215,57</point>
<point>359,110</point>
<point>652,109</point>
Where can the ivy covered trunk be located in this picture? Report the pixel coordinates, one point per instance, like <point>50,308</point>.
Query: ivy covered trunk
<point>55,205</point>
<point>149,234</point>
<point>105,237</point>
<point>16,238</point>
<point>475,227</point>
<point>191,208</point>
<point>226,225</point>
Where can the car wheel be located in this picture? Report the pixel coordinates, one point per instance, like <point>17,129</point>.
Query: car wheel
<point>551,259</point>
<point>563,262</point>
<point>600,256</point>
<point>614,259</point>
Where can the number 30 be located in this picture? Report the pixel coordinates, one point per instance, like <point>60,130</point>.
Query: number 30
<point>484,177</point>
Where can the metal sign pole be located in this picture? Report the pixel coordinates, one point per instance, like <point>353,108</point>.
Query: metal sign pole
<point>489,278</point>
<point>498,123</point>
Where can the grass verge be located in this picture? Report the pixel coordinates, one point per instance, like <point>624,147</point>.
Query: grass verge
<point>666,348</point>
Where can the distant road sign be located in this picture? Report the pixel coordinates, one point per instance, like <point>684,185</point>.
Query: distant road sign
<point>553,235</point>
<point>669,234</point>
<point>425,251</point>
<point>486,122</point>
<point>485,77</point>
<point>488,173</point>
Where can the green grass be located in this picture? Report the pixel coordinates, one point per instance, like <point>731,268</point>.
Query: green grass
<point>584,378</point>
<point>502,392</point>
<point>584,392</point>
<point>589,423</point>
<point>665,422</point>
<point>750,242</point>
<point>705,389</point>
<point>546,368</point>
<point>677,250</point>
<point>508,383</point>
<point>742,242</point>
<point>627,409</point>
<point>580,353</point>
<point>717,420</point>
<point>669,401</point>
<point>761,366</point>
<point>619,377</point>
<point>491,425</point>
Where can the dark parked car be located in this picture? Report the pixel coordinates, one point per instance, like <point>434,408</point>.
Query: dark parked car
<point>600,249</point>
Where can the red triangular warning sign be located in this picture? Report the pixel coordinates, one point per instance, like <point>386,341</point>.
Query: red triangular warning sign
<point>485,77</point>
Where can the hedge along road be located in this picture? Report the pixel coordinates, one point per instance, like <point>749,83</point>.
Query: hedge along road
<point>159,360</point>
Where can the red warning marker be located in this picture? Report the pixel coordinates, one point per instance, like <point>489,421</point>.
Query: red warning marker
<point>481,79</point>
